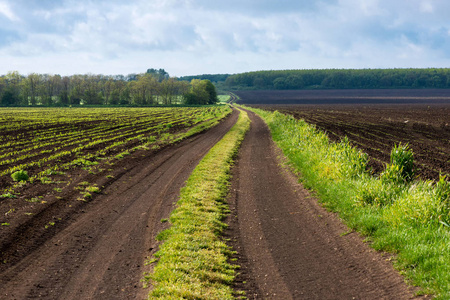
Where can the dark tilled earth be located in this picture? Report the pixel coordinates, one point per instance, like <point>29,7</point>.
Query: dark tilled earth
<point>374,121</point>
<point>376,128</point>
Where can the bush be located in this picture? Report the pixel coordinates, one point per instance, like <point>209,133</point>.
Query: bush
<point>20,176</point>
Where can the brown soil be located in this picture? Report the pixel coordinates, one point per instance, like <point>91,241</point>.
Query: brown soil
<point>70,249</point>
<point>350,96</point>
<point>374,121</point>
<point>289,247</point>
<point>376,128</point>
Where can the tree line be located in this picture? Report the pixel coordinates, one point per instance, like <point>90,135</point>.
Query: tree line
<point>155,87</point>
<point>341,79</point>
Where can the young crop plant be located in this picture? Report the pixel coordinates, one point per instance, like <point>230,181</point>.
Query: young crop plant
<point>46,180</point>
<point>8,195</point>
<point>93,189</point>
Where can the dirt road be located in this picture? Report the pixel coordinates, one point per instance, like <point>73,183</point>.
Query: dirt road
<point>98,252</point>
<point>289,247</point>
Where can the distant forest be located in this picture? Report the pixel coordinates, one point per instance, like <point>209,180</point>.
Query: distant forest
<point>340,79</point>
<point>154,87</point>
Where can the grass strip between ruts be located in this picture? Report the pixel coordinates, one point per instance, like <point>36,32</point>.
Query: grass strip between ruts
<point>192,262</point>
<point>409,220</point>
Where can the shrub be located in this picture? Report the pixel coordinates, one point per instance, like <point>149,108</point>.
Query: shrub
<point>20,175</point>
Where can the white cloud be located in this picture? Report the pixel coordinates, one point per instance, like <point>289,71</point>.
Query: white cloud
<point>5,10</point>
<point>199,36</point>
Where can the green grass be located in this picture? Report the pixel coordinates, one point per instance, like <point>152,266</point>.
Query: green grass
<point>192,262</point>
<point>223,98</point>
<point>408,218</point>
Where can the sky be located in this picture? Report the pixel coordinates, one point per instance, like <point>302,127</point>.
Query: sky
<point>191,37</point>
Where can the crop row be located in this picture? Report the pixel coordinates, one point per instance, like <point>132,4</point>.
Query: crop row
<point>57,138</point>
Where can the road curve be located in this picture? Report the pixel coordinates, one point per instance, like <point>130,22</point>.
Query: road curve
<point>100,252</point>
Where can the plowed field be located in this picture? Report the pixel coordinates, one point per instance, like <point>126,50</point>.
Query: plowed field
<point>375,126</point>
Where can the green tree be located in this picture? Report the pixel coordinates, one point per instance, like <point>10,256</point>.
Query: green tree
<point>167,90</point>
<point>211,89</point>
<point>64,91</point>
<point>294,82</point>
<point>32,83</point>
<point>9,97</point>
<point>200,93</point>
<point>11,93</point>
<point>92,94</point>
<point>76,89</point>
<point>279,83</point>
<point>170,89</point>
<point>125,95</point>
<point>116,93</point>
<point>160,74</point>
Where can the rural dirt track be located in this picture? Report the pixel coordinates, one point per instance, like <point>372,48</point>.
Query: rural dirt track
<point>289,247</point>
<point>99,252</point>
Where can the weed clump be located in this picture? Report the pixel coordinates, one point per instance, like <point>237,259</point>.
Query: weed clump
<point>402,160</point>
<point>20,175</point>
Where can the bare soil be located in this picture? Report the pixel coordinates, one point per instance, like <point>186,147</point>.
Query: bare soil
<point>377,128</point>
<point>289,246</point>
<point>70,249</point>
<point>350,96</point>
<point>374,121</point>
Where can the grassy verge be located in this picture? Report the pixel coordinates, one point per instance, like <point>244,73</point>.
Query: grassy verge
<point>223,98</point>
<point>408,218</point>
<point>192,262</point>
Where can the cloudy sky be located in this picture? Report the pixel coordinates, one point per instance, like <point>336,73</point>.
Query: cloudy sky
<point>228,36</point>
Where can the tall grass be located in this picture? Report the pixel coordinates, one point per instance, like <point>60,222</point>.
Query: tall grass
<point>192,262</point>
<point>397,213</point>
